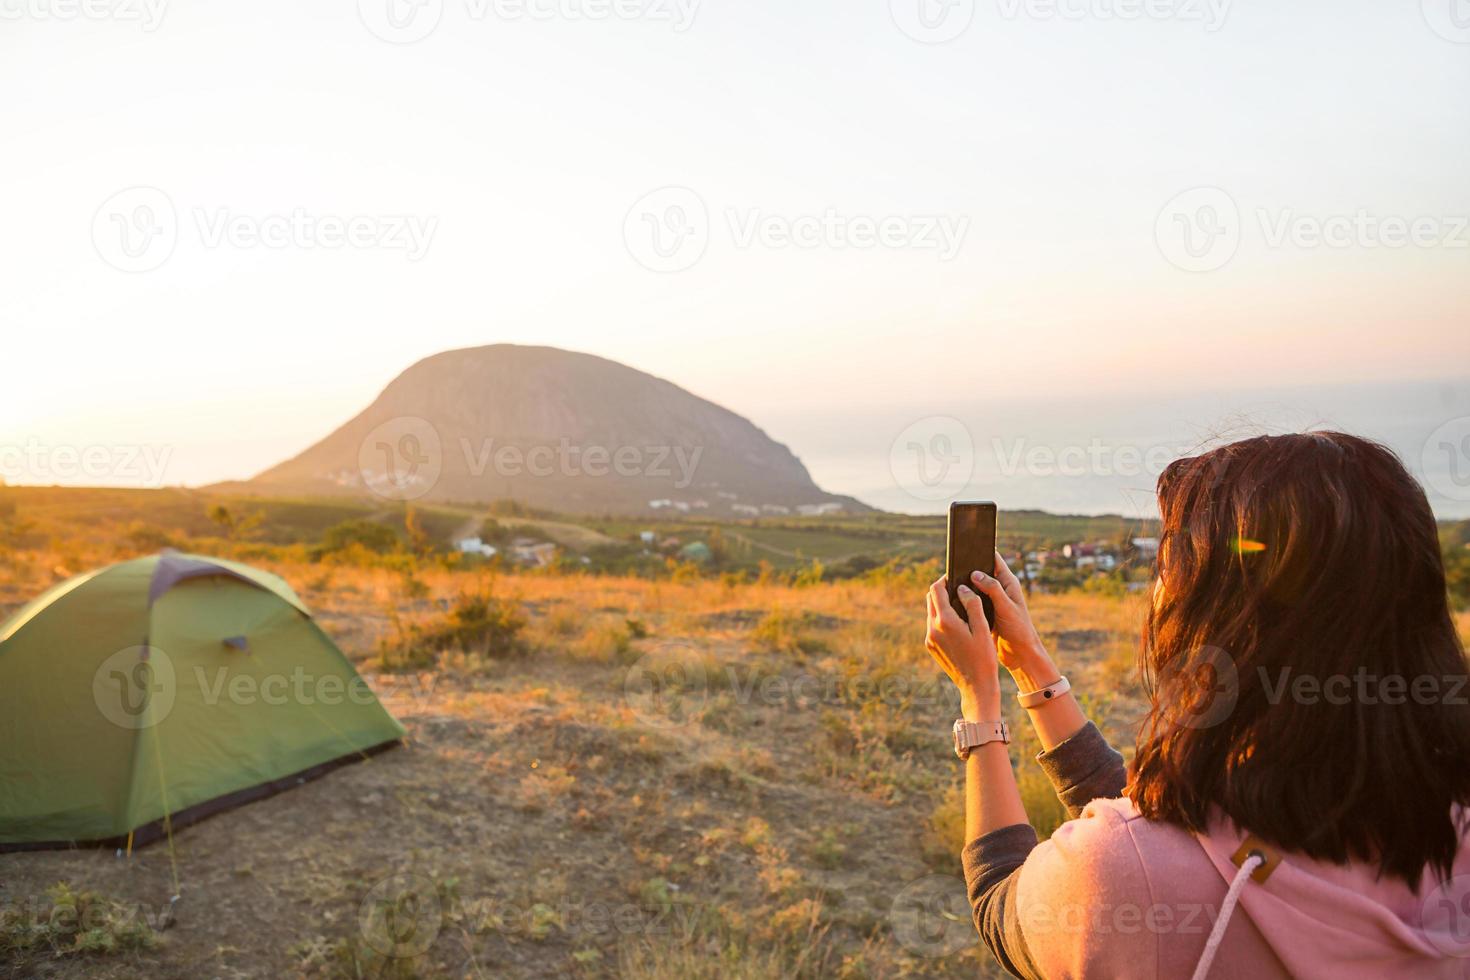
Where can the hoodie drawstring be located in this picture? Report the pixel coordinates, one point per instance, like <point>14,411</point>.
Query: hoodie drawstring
<point>1227,909</point>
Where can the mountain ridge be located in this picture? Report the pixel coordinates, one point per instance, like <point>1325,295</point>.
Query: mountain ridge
<point>552,428</point>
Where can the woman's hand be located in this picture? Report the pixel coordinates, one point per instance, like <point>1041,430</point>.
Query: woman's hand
<point>966,651</point>
<point>1018,646</point>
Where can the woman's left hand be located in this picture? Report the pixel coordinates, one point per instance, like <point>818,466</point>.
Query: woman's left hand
<point>966,651</point>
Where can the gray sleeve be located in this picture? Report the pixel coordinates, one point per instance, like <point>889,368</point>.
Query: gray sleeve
<point>992,863</point>
<point>1084,768</point>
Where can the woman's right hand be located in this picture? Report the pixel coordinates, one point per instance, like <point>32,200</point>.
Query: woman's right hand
<point>1019,650</point>
<point>1017,643</point>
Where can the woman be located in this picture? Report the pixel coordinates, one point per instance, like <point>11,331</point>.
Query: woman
<point>1296,801</point>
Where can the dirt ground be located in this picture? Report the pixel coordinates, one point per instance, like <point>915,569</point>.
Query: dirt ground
<point>650,792</point>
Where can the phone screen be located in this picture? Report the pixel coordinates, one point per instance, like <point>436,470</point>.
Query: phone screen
<point>971,549</point>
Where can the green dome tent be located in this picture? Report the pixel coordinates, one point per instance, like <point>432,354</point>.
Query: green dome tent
<point>172,687</point>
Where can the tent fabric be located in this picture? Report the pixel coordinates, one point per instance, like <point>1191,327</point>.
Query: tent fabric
<point>174,568</point>
<point>122,700</point>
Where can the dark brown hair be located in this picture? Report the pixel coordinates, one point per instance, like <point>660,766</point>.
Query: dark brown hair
<point>1299,576</point>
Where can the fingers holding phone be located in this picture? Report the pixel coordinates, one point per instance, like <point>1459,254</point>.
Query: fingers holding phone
<point>1016,639</point>
<point>967,654</point>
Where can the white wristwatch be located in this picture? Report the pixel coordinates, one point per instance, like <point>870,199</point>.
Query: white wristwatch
<point>973,734</point>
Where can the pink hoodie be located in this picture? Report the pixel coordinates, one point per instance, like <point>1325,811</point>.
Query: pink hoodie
<point>1114,895</point>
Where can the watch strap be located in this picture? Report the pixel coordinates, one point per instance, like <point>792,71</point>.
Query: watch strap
<point>970,735</point>
<point>1043,695</point>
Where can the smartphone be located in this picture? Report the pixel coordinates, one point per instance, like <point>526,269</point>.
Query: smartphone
<point>971,549</point>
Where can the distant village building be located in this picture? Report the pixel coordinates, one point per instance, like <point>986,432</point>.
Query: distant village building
<point>475,546</point>
<point>818,510</point>
<point>648,537</point>
<point>697,551</point>
<point>746,509</point>
<point>537,554</point>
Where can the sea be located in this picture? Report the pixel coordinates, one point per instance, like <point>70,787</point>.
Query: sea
<point>1069,451</point>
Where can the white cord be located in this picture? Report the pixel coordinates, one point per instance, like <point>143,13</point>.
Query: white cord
<point>1227,909</point>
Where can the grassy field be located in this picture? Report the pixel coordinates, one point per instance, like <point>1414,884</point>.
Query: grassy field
<point>685,777</point>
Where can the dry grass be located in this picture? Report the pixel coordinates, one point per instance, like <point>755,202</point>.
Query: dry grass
<point>690,778</point>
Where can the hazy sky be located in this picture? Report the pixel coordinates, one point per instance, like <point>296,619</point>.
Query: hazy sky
<point>864,219</point>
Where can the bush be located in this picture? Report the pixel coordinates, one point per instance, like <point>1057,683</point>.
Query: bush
<point>478,624</point>
<point>368,535</point>
<point>148,539</point>
<point>1105,585</point>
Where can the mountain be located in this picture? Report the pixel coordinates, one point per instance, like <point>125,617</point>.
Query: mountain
<point>557,430</point>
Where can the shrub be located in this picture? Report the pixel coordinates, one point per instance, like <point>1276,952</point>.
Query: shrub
<point>786,632</point>
<point>478,624</point>
<point>369,535</point>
